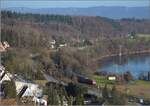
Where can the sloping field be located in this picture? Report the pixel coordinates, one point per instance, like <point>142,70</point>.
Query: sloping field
<point>139,88</point>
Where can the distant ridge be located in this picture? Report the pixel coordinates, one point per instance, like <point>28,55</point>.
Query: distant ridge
<point>115,12</point>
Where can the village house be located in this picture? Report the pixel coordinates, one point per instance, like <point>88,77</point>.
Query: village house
<point>62,45</point>
<point>27,89</point>
<point>112,77</point>
<point>32,88</point>
<point>3,75</point>
<point>40,101</point>
<point>3,46</point>
<point>53,44</point>
<point>24,87</point>
<point>8,102</point>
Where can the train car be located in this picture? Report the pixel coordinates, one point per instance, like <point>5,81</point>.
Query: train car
<point>86,80</point>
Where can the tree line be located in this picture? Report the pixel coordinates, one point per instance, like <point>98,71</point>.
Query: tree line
<point>37,17</point>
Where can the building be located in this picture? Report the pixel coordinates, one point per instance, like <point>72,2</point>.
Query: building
<point>24,87</point>
<point>32,88</point>
<point>4,75</point>
<point>28,89</point>
<point>4,46</point>
<point>53,44</point>
<point>40,101</point>
<point>62,45</point>
<point>112,78</point>
<point>8,102</point>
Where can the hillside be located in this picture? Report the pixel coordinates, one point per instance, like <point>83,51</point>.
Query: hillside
<point>115,12</point>
<point>72,27</point>
<point>87,37</point>
<point>75,52</point>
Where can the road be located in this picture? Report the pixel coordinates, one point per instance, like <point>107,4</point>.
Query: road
<point>52,79</point>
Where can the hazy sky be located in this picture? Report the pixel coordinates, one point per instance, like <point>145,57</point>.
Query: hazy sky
<point>71,3</point>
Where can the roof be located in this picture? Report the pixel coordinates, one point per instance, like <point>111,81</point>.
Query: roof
<point>2,67</point>
<point>3,46</point>
<point>20,78</point>
<point>8,102</point>
<point>111,76</point>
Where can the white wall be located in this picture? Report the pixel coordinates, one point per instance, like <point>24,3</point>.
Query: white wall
<point>32,89</point>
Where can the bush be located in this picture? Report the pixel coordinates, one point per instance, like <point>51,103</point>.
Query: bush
<point>10,89</point>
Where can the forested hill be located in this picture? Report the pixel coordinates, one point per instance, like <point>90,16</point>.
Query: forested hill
<point>115,12</point>
<point>86,37</point>
<point>47,27</point>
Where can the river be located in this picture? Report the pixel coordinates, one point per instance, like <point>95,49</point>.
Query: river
<point>137,64</point>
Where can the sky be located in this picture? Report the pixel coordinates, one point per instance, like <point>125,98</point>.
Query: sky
<point>71,3</point>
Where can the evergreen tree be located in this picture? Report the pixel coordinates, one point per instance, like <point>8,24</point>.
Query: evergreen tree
<point>79,100</point>
<point>52,95</point>
<point>10,89</point>
<point>105,92</point>
<point>117,98</point>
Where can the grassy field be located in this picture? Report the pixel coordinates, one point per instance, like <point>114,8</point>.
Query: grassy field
<point>40,82</point>
<point>101,81</point>
<point>144,35</point>
<point>138,88</point>
<point>138,37</point>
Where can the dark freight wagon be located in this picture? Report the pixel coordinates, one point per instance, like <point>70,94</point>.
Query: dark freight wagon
<point>86,80</point>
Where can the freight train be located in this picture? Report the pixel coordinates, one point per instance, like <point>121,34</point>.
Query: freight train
<point>82,79</point>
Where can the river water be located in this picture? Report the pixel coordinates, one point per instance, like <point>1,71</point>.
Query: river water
<point>136,64</point>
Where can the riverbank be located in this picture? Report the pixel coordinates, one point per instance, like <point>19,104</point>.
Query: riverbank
<point>138,88</point>
<point>123,54</point>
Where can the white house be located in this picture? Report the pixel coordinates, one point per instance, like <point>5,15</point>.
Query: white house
<point>112,78</point>
<point>2,69</point>
<point>6,45</point>
<point>3,75</point>
<point>39,101</point>
<point>62,45</point>
<point>53,44</point>
<point>6,77</point>
<point>32,90</point>
<point>3,46</point>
